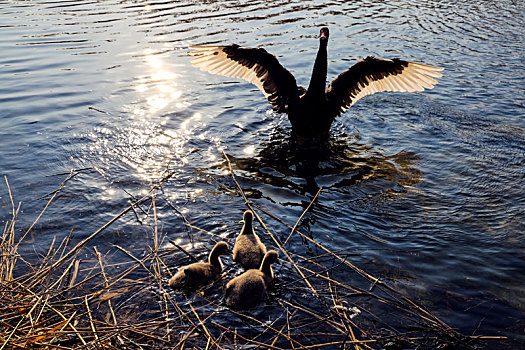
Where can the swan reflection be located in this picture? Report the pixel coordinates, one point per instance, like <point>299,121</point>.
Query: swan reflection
<point>337,162</point>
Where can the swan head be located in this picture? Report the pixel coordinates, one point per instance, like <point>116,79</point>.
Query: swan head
<point>324,34</point>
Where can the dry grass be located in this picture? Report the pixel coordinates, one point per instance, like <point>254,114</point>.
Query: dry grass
<point>63,302</point>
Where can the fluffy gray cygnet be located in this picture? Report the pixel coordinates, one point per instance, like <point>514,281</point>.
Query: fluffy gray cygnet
<point>247,290</point>
<point>248,249</point>
<point>198,274</point>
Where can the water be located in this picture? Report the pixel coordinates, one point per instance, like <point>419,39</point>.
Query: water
<point>426,190</point>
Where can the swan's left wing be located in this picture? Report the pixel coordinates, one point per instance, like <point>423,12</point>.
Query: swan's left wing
<point>372,75</point>
<point>256,66</point>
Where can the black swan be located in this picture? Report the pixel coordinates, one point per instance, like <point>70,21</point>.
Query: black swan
<point>247,290</point>
<point>311,111</point>
<point>198,274</point>
<point>248,249</point>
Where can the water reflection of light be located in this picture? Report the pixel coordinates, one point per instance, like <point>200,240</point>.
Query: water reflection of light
<point>163,76</point>
<point>138,112</point>
<point>163,140</point>
<point>159,87</point>
<point>170,133</point>
<point>151,59</point>
<point>185,124</point>
<point>154,62</point>
<point>158,102</point>
<point>194,194</point>
<point>141,87</point>
<point>145,144</point>
<point>166,89</point>
<point>107,193</point>
<point>249,150</point>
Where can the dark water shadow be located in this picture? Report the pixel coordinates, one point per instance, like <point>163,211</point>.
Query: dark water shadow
<point>338,162</point>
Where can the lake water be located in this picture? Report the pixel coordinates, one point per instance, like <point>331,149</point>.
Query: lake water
<point>424,190</point>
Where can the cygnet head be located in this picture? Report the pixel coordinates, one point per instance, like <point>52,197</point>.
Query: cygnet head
<point>221,248</point>
<point>271,257</point>
<point>247,216</point>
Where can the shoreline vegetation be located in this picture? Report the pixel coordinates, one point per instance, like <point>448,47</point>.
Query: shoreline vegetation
<point>64,302</point>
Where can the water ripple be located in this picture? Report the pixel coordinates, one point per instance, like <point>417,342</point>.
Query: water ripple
<point>427,188</point>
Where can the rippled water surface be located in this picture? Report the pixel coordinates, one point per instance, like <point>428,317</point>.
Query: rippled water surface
<point>426,190</point>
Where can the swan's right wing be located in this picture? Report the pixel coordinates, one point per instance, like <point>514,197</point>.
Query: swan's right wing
<point>256,66</point>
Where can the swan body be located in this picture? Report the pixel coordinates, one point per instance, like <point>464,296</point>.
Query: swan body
<point>247,290</point>
<point>311,111</point>
<point>248,250</point>
<point>200,273</point>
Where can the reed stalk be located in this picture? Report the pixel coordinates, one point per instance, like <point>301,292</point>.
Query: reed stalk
<point>61,301</point>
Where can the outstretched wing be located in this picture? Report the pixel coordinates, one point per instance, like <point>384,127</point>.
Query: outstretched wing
<point>372,75</point>
<point>256,66</point>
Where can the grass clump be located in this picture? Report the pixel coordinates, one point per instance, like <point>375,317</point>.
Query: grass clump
<point>60,301</point>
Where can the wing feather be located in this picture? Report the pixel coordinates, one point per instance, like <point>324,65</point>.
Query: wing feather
<point>256,66</point>
<point>372,75</point>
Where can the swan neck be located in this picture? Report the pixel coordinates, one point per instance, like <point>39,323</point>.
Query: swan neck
<point>214,259</point>
<point>266,268</point>
<point>247,228</point>
<point>316,88</point>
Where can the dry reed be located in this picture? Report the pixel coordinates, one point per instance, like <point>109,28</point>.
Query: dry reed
<point>64,302</point>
